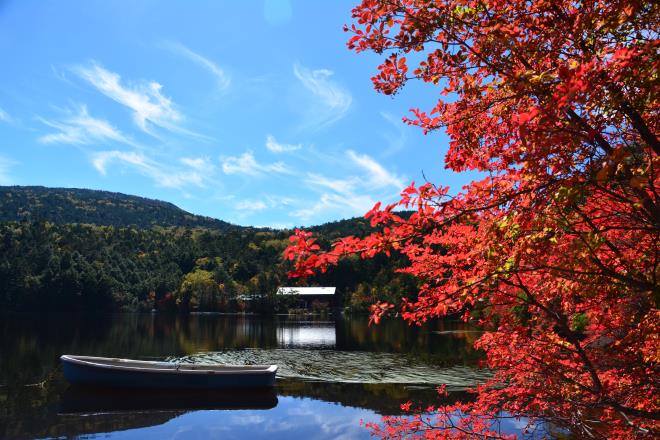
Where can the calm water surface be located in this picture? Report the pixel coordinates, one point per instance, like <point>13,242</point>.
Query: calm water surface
<point>333,374</point>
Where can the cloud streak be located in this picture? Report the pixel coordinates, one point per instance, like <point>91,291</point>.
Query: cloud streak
<point>341,186</point>
<point>340,195</point>
<point>278,147</point>
<point>4,116</point>
<point>198,163</point>
<point>398,142</point>
<point>332,100</point>
<point>247,165</point>
<point>82,129</point>
<point>350,195</point>
<point>149,106</point>
<point>247,207</point>
<point>377,175</point>
<point>222,79</point>
<point>343,204</point>
<point>250,206</point>
<point>162,175</point>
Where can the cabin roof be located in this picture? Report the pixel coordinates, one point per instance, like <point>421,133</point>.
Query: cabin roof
<point>306,291</point>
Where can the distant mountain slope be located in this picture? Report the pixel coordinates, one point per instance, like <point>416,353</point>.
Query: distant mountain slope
<point>84,250</point>
<point>72,205</point>
<point>357,226</point>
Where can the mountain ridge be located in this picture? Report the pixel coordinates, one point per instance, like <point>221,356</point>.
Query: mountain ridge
<point>99,207</point>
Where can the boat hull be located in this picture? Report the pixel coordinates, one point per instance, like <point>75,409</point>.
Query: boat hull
<point>98,374</point>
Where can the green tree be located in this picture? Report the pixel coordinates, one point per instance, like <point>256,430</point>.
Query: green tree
<point>198,291</point>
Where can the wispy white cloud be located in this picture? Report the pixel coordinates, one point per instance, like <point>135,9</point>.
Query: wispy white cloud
<point>222,79</point>
<point>250,206</point>
<point>397,142</point>
<point>144,98</point>
<point>341,196</point>
<point>350,195</point>
<point>267,201</point>
<point>342,186</point>
<point>248,165</point>
<point>198,163</point>
<point>59,73</point>
<point>80,128</point>
<point>332,100</point>
<point>4,116</point>
<point>278,147</point>
<point>6,165</point>
<point>102,158</point>
<point>247,207</point>
<point>279,201</point>
<point>340,205</point>
<point>162,175</point>
<point>377,175</point>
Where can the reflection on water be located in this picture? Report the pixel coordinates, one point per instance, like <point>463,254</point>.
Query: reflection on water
<point>307,334</point>
<point>92,401</point>
<point>348,366</point>
<point>332,374</point>
<point>30,345</point>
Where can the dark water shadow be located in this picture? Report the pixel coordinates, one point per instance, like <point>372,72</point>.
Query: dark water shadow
<point>92,400</point>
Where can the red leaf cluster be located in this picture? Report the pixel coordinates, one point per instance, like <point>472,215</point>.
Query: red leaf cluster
<point>556,253</point>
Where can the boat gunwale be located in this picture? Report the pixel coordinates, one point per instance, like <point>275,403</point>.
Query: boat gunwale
<point>151,366</point>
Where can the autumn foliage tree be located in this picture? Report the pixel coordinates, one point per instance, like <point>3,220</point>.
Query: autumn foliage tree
<point>555,252</point>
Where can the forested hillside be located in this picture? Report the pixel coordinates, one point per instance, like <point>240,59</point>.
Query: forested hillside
<point>72,205</point>
<point>62,260</point>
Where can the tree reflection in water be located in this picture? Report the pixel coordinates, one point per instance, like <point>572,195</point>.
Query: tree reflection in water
<point>335,367</point>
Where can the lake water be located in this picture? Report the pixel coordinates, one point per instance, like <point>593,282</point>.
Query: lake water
<point>333,374</point>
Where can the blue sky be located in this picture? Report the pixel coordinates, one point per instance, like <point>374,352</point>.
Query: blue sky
<point>253,112</point>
